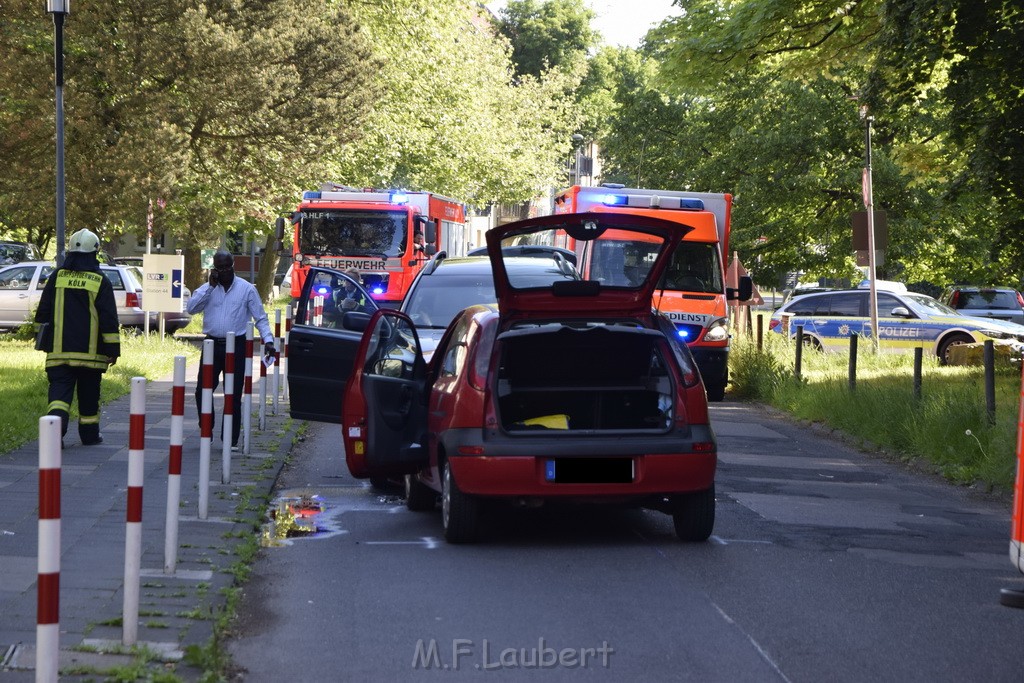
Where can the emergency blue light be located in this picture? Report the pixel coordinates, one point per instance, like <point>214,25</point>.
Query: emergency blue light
<point>311,194</point>
<point>399,198</point>
<point>683,334</point>
<point>322,290</point>
<point>692,204</point>
<point>614,200</point>
<point>378,290</point>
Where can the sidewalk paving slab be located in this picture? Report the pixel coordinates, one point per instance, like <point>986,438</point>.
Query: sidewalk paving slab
<point>175,610</point>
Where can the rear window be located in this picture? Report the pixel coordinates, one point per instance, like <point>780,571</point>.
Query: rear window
<point>995,299</point>
<point>438,298</point>
<point>115,278</point>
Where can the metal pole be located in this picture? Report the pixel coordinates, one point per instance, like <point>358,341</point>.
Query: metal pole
<point>990,381</point>
<point>58,71</point>
<point>869,201</point>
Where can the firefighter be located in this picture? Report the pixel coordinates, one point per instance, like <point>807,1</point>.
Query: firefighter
<point>349,298</point>
<point>81,336</point>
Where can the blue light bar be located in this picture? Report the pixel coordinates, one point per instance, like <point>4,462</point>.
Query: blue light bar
<point>399,198</point>
<point>378,290</point>
<point>683,334</point>
<point>692,204</point>
<point>614,200</point>
<point>311,194</point>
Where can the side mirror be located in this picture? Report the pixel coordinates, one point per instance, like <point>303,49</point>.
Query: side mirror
<point>279,233</point>
<point>430,248</point>
<point>744,292</point>
<point>900,312</point>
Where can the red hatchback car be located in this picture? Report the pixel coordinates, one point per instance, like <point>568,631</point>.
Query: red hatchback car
<point>573,391</point>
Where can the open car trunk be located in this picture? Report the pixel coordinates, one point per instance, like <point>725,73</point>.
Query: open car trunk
<point>584,377</point>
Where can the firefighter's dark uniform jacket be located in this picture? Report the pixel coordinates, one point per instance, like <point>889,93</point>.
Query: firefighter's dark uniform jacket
<point>80,307</point>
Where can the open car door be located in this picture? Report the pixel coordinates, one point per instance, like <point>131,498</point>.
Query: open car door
<point>323,341</point>
<point>385,407</point>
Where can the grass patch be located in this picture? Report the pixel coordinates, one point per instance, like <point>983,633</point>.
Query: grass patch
<point>948,426</point>
<point>23,376</point>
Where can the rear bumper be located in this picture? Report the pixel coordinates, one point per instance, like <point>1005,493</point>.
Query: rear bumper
<point>516,467</point>
<point>524,477</point>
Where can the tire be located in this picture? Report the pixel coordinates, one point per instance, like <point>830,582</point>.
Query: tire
<point>949,342</point>
<point>418,496</point>
<point>460,514</point>
<point>716,391</point>
<point>694,515</point>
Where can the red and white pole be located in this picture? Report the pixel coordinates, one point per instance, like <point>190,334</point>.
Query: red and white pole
<point>277,357</point>
<point>174,466</point>
<point>48,580</point>
<point>247,393</point>
<point>263,389</point>
<point>133,525</point>
<point>228,423</point>
<point>318,311</point>
<point>284,353</point>
<point>205,427</point>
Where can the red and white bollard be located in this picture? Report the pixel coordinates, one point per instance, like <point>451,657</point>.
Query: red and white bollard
<point>174,466</point>
<point>1008,596</point>
<point>48,580</point>
<point>318,311</point>
<point>277,357</point>
<point>247,393</point>
<point>133,520</point>
<point>284,351</point>
<point>205,427</point>
<point>227,426</point>
<point>263,389</point>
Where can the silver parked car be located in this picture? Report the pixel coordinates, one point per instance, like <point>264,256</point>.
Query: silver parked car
<point>1001,303</point>
<point>22,284</point>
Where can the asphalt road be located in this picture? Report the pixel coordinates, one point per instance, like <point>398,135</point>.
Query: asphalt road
<point>826,564</point>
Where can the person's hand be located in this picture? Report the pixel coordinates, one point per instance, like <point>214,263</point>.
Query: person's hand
<point>347,304</point>
<point>269,350</point>
<point>214,279</point>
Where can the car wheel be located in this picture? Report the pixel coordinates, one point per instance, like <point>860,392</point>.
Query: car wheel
<point>460,514</point>
<point>949,342</point>
<point>694,515</point>
<point>716,390</point>
<point>418,496</point>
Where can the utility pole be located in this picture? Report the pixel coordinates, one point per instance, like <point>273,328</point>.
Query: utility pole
<point>869,204</point>
<point>59,9</point>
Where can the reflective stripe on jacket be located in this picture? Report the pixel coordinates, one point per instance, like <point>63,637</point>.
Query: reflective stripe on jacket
<point>82,312</point>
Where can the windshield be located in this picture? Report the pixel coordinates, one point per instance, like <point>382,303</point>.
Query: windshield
<point>622,263</point>
<point>353,233</point>
<point>695,268</point>
<point>437,299</point>
<point>926,304</point>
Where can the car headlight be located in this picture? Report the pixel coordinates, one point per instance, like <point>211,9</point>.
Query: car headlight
<point>717,331</point>
<point>1001,334</point>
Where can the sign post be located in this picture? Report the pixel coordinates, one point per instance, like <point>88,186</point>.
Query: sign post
<point>164,285</point>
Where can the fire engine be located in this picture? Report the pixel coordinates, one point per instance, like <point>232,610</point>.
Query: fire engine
<point>387,235</point>
<point>693,293</point>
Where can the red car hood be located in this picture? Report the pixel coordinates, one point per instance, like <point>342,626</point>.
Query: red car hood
<point>596,287</point>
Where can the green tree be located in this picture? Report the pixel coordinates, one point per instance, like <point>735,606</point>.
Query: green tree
<point>547,34</point>
<point>214,106</point>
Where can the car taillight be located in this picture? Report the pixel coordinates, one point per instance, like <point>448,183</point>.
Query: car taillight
<point>955,299</point>
<point>773,323</point>
<point>1020,299</point>
<point>131,300</point>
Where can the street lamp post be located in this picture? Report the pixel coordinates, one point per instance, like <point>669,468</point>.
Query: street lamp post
<point>577,143</point>
<point>59,9</point>
<point>869,204</point>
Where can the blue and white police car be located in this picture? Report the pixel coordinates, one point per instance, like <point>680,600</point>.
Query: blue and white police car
<point>906,320</point>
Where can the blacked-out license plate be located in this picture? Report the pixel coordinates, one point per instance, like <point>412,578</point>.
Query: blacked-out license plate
<point>589,470</point>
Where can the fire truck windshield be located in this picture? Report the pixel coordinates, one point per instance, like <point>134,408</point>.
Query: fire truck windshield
<point>694,268</point>
<point>353,233</point>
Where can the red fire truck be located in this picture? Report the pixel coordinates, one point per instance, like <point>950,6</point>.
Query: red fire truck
<point>387,235</point>
<point>693,293</point>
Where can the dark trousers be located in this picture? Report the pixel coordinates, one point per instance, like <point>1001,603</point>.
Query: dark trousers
<point>64,381</point>
<point>219,354</point>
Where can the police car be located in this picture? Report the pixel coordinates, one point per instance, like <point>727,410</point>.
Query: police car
<point>906,320</point>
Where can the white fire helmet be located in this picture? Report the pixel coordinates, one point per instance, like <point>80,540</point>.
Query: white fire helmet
<point>84,241</point>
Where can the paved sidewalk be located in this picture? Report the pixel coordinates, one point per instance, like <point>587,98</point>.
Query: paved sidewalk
<point>176,610</point>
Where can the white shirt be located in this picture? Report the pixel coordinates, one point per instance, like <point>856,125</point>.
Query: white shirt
<point>230,310</point>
